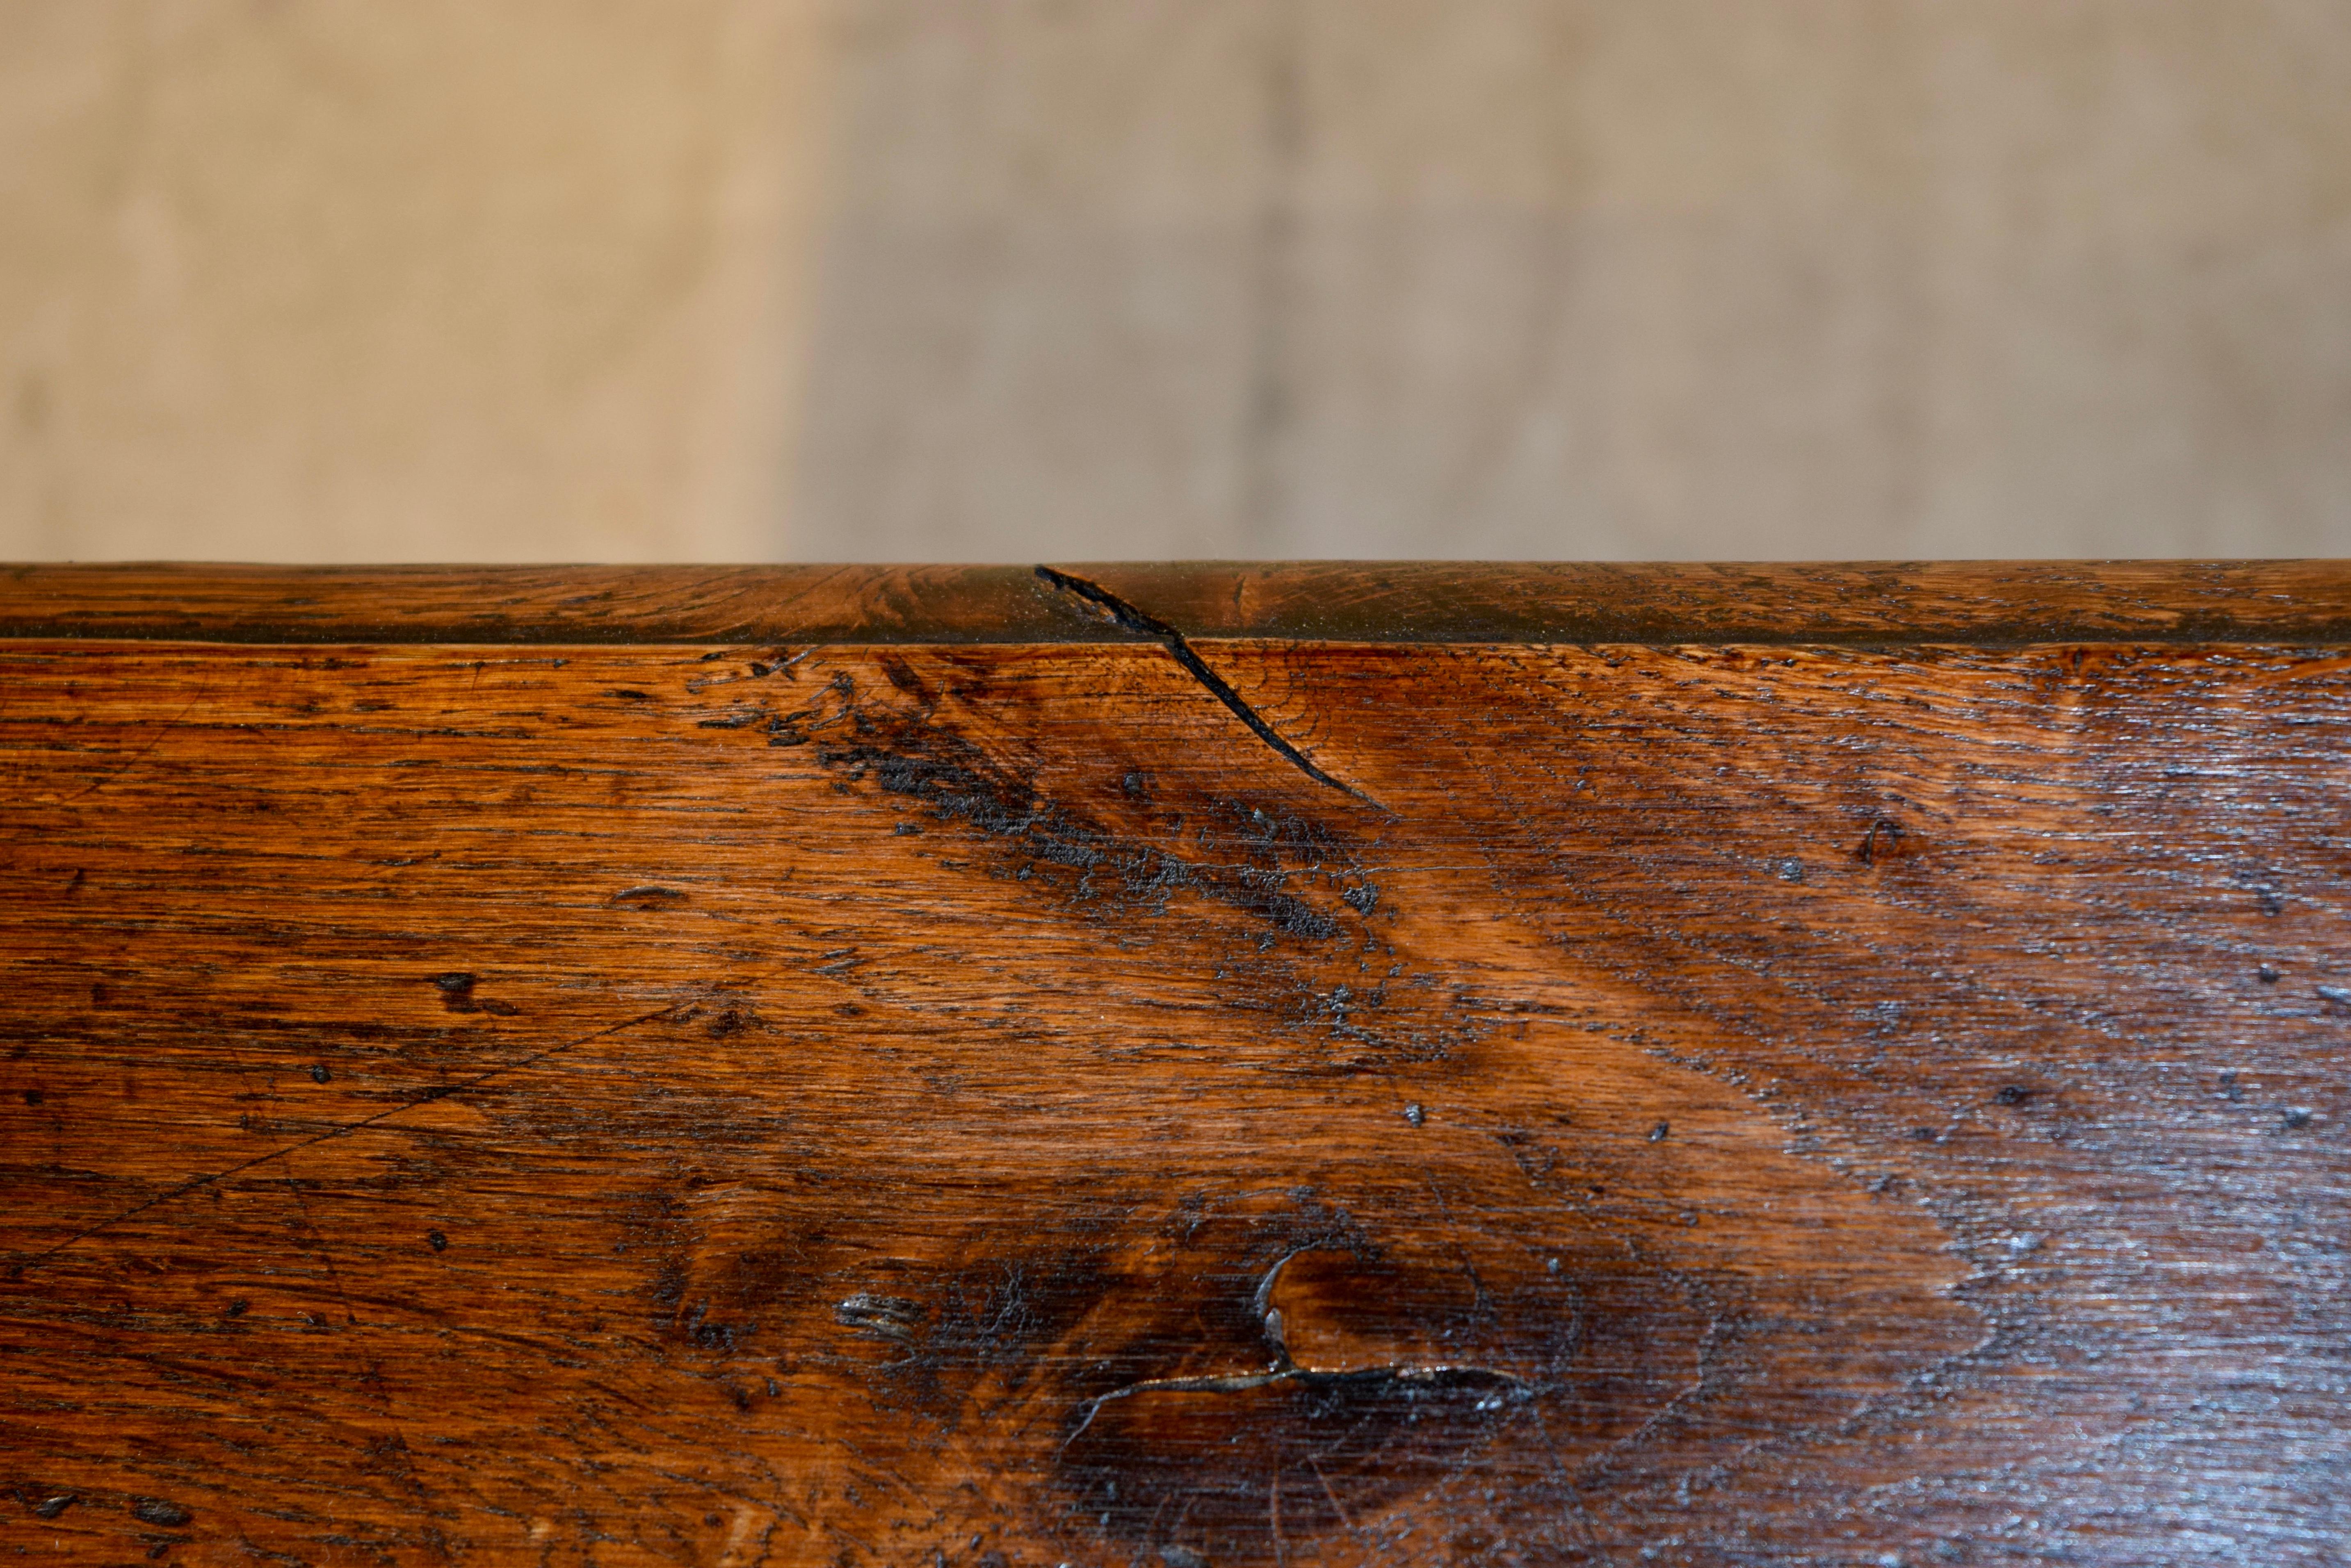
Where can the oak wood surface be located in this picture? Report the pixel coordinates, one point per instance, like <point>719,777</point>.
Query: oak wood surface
<point>1170,1087</point>
<point>1845,604</point>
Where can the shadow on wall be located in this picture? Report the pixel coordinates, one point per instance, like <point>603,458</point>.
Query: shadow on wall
<point>1023,279</point>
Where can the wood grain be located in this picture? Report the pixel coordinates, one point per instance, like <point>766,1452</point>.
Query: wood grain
<point>966,1101</point>
<point>528,605</point>
<point>1865,604</point>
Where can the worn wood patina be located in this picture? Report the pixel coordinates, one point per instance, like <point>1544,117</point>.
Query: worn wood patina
<point>1177,1065</point>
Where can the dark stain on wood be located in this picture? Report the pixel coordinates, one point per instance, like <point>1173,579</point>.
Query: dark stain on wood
<point>899,1098</point>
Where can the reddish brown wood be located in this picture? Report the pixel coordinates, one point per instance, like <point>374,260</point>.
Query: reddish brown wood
<point>1977,603</point>
<point>1888,603</point>
<point>1177,1092</point>
<point>528,605</point>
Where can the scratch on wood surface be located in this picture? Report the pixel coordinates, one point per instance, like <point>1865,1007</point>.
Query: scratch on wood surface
<point>18,1266</point>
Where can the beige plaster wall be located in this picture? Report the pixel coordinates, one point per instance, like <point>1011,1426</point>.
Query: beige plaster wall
<point>403,279</point>
<point>1015,279</point>
<point>1628,278</point>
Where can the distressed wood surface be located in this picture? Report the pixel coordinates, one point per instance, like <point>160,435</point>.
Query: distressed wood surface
<point>1159,1090</point>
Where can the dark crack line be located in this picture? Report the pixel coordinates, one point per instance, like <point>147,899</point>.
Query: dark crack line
<point>1514,1389</point>
<point>438,1093</point>
<point>1132,619</point>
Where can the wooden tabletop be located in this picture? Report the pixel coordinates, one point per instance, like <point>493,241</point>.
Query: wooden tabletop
<point>1175,1066</point>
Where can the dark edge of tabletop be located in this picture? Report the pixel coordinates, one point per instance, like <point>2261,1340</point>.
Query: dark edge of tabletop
<point>1863,604</point>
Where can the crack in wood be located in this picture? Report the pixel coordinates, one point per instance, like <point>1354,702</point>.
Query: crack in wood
<point>1502,1387</point>
<point>1130,618</point>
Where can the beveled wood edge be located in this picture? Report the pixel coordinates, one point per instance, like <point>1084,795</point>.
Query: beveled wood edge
<point>578,605</point>
<point>1856,604</point>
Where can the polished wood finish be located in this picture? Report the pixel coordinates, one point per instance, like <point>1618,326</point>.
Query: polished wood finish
<point>1846,605</point>
<point>1215,1066</point>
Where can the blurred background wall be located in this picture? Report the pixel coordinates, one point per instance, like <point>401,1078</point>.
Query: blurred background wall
<point>1028,279</point>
